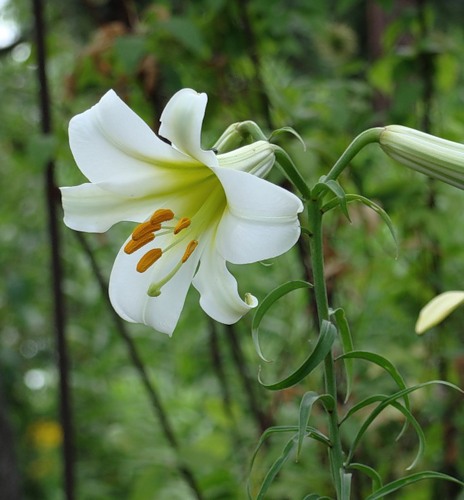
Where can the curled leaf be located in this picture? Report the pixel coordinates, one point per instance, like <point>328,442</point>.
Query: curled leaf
<point>264,306</point>
<point>288,130</point>
<point>323,347</point>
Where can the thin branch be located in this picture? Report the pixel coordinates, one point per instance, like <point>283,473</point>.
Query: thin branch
<point>218,366</point>
<point>256,60</point>
<point>263,419</point>
<point>56,267</point>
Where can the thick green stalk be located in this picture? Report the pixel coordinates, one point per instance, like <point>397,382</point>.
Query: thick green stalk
<point>363,139</point>
<point>320,290</point>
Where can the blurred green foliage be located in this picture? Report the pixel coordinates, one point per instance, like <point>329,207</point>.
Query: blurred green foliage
<point>328,69</point>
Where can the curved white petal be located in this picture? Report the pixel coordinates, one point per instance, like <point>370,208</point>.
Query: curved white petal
<point>181,123</point>
<point>90,208</point>
<point>439,308</point>
<point>112,144</point>
<point>260,221</point>
<point>219,296</point>
<point>128,288</point>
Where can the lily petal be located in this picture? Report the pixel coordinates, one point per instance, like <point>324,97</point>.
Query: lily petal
<point>128,288</point>
<point>439,308</point>
<point>181,123</point>
<point>90,208</point>
<point>112,144</point>
<point>219,296</point>
<point>260,221</point>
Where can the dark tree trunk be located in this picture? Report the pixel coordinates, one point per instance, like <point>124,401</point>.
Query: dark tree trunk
<point>9,475</point>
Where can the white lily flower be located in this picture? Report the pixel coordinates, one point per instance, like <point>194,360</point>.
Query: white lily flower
<point>196,209</point>
<point>439,308</point>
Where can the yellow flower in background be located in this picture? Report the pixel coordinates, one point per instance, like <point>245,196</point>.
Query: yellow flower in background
<point>46,434</point>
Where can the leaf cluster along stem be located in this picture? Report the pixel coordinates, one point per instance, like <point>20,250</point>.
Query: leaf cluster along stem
<point>320,290</point>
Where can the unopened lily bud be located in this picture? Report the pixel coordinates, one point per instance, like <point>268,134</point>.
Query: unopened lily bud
<point>438,309</point>
<point>257,158</point>
<point>430,155</point>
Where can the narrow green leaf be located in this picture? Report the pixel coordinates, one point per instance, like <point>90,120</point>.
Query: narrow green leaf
<point>276,467</point>
<point>420,433</point>
<point>362,404</point>
<point>284,161</point>
<point>311,432</point>
<point>406,481</point>
<point>370,472</point>
<point>378,210</point>
<point>324,186</point>
<point>369,203</point>
<point>384,363</point>
<point>347,346</point>
<point>410,419</point>
<point>339,192</point>
<point>306,405</point>
<point>388,401</point>
<point>287,130</point>
<point>277,429</point>
<point>323,346</point>
<point>264,306</point>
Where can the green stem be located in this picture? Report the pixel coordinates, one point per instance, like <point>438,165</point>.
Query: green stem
<point>320,290</point>
<point>363,139</point>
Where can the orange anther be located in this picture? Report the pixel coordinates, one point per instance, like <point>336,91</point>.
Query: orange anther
<point>133,245</point>
<point>142,229</point>
<point>149,259</point>
<point>189,250</point>
<point>182,224</point>
<point>162,215</point>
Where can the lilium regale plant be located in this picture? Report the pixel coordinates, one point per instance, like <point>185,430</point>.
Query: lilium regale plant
<point>196,209</point>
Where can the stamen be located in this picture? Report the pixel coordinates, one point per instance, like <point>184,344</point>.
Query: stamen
<point>182,224</point>
<point>162,215</point>
<point>149,259</point>
<point>189,250</point>
<point>134,245</point>
<point>154,290</point>
<point>142,229</point>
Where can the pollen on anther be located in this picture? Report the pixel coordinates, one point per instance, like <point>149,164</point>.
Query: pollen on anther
<point>189,250</point>
<point>161,215</point>
<point>182,224</point>
<point>149,259</point>
<point>134,245</point>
